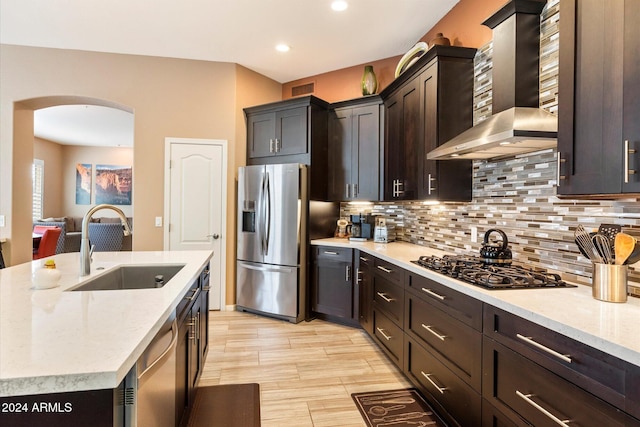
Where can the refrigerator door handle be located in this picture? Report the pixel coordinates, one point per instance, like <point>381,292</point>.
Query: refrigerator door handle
<point>267,216</point>
<point>262,223</point>
<point>265,267</point>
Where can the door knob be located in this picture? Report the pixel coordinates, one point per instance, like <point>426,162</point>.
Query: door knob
<point>215,236</point>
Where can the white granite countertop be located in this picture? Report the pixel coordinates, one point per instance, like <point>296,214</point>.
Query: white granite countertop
<point>610,327</point>
<point>56,341</point>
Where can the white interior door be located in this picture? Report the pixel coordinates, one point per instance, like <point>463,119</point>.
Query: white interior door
<point>196,211</point>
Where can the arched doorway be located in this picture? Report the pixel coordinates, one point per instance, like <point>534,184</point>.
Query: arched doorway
<point>19,249</point>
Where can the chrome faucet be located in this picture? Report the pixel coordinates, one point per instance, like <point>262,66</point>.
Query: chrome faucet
<point>85,252</point>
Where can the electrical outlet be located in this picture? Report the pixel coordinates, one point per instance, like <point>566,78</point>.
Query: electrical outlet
<point>158,221</point>
<point>1,220</point>
<point>474,234</point>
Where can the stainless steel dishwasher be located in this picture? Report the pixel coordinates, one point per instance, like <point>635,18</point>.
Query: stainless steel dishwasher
<point>152,381</point>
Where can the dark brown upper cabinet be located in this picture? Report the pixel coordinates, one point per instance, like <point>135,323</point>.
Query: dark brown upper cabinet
<point>355,134</point>
<point>291,131</point>
<point>426,106</point>
<point>599,97</point>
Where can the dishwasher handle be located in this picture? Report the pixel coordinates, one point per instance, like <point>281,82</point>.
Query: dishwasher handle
<point>166,353</point>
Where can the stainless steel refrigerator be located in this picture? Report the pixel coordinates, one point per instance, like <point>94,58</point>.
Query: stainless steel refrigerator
<point>273,224</point>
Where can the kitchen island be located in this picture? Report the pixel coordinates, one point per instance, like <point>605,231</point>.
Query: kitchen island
<point>61,341</point>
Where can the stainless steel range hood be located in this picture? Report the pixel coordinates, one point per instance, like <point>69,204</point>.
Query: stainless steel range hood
<point>518,125</point>
<point>514,131</point>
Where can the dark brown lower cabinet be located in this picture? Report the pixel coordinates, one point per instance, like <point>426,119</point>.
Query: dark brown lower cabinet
<point>332,287</point>
<point>454,399</point>
<point>531,395</point>
<point>389,336</point>
<point>456,344</point>
<point>364,279</point>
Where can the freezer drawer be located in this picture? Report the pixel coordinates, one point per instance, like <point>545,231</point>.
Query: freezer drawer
<point>268,288</point>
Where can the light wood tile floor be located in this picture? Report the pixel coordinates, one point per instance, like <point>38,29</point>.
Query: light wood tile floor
<point>306,371</point>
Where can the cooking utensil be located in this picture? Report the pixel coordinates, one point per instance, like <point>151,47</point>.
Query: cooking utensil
<point>610,231</point>
<point>624,246</point>
<point>603,246</point>
<point>584,242</point>
<point>635,255</point>
<point>495,253</point>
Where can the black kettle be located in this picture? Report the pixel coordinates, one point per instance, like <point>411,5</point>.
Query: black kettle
<point>495,253</point>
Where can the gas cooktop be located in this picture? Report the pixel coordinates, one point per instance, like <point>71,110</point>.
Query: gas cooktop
<point>492,276</point>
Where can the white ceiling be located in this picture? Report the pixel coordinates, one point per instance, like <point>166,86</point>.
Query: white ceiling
<point>238,31</point>
<point>84,125</point>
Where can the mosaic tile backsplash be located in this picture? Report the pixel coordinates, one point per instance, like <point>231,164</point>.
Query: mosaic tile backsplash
<point>516,195</point>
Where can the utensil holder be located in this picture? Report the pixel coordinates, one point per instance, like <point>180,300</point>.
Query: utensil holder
<point>609,282</point>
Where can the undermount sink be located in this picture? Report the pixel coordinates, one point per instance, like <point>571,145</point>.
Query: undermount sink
<point>132,277</point>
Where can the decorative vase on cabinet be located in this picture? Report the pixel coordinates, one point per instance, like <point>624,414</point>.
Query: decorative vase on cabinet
<point>369,81</point>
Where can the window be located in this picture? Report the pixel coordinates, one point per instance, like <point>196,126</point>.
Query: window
<point>37,172</point>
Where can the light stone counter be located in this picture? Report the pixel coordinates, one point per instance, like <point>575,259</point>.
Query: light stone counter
<point>56,341</point>
<point>610,327</point>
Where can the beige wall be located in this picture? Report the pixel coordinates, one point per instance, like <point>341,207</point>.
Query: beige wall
<point>74,154</point>
<point>60,174</point>
<point>462,25</point>
<point>51,154</point>
<point>169,98</point>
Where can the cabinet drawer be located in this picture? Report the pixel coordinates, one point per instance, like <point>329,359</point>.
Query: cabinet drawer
<point>365,260</point>
<point>458,345</point>
<point>389,298</point>
<point>390,336</point>
<point>389,271</point>
<point>521,388</point>
<point>333,253</point>
<point>451,394</point>
<point>187,300</point>
<point>464,308</point>
<point>491,417</point>
<point>591,369</point>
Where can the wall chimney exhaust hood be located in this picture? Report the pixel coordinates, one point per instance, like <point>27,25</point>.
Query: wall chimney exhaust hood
<point>518,125</point>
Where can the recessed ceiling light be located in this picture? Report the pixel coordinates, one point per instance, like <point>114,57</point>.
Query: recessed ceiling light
<point>282,48</point>
<point>339,5</point>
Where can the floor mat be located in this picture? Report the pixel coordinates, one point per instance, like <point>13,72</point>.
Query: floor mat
<point>396,408</point>
<point>228,405</point>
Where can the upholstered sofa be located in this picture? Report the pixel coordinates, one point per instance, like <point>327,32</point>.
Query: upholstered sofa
<point>105,233</point>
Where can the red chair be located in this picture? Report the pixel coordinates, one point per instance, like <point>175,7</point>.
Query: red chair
<point>48,242</point>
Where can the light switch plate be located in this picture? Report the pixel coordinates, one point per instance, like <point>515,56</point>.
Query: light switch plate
<point>158,221</point>
<point>1,220</point>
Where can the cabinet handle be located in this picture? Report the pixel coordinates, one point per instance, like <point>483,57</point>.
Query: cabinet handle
<point>529,340</point>
<point>386,270</point>
<point>364,259</point>
<point>559,176</point>
<point>627,153</point>
<point>347,191</point>
<point>193,295</point>
<point>397,188</point>
<point>386,337</point>
<point>433,294</point>
<point>527,398</point>
<point>437,335</point>
<point>330,253</point>
<point>385,297</point>
<point>271,149</point>
<point>358,275</point>
<point>429,187</point>
<point>193,328</point>
<point>428,377</point>
<point>355,190</point>
<point>347,273</point>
